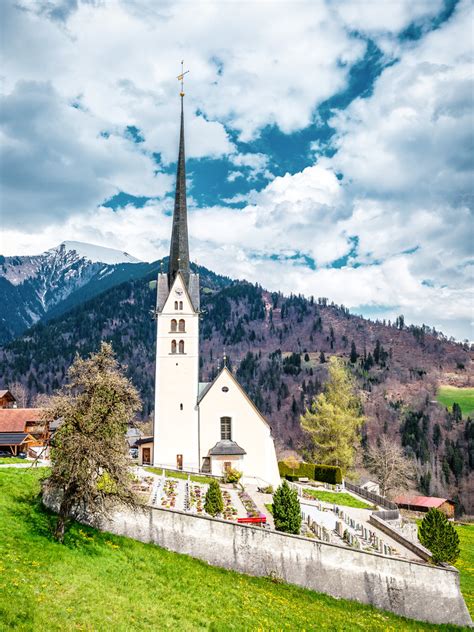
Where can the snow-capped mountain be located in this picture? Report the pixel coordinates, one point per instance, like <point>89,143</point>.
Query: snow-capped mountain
<point>35,287</point>
<point>96,254</point>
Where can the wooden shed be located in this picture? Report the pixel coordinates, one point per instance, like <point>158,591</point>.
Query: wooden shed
<point>425,503</point>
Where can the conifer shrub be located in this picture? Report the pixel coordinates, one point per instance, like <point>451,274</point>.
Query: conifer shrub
<point>286,509</point>
<point>213,503</point>
<point>439,536</point>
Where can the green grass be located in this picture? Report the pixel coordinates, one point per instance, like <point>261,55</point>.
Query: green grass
<point>5,460</point>
<point>447,395</point>
<point>338,498</point>
<point>196,478</point>
<point>98,581</point>
<point>465,564</point>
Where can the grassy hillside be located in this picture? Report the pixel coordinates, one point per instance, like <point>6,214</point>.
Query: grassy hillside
<point>447,395</point>
<point>465,564</point>
<point>97,581</point>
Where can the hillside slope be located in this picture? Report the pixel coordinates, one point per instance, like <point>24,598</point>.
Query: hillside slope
<point>277,346</point>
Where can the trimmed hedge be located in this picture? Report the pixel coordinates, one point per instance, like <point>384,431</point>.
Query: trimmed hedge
<point>324,473</point>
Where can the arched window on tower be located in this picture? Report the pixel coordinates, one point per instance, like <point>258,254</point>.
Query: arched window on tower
<point>182,325</point>
<point>181,346</point>
<point>174,324</point>
<point>173,346</point>
<point>176,304</point>
<point>180,304</point>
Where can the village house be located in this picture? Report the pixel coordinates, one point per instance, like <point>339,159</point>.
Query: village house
<point>22,430</point>
<point>7,399</point>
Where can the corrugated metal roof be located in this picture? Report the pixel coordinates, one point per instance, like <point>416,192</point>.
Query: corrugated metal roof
<point>12,438</point>
<point>15,419</point>
<point>421,501</point>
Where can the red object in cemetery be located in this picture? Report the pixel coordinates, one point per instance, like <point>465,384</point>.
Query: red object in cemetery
<point>255,520</point>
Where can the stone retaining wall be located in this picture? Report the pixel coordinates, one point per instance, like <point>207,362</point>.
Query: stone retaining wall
<point>411,589</point>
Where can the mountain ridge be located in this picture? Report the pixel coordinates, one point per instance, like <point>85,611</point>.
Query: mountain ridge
<point>277,347</point>
<point>56,280</point>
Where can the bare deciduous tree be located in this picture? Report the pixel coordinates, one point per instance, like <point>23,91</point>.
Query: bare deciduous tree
<point>20,393</point>
<point>389,465</point>
<point>90,463</point>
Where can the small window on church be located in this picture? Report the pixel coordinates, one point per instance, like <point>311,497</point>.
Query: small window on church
<point>181,346</point>
<point>173,346</point>
<point>181,407</point>
<point>180,304</point>
<point>176,304</point>
<point>174,324</point>
<point>225,389</point>
<point>226,428</point>
<point>182,325</point>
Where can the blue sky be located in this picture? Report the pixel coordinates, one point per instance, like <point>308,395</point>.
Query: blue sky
<point>329,143</point>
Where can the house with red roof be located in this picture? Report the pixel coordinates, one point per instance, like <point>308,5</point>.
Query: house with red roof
<point>425,503</point>
<point>22,430</point>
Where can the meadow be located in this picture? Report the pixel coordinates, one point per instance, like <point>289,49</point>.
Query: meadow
<point>98,581</point>
<point>447,395</point>
<point>337,498</point>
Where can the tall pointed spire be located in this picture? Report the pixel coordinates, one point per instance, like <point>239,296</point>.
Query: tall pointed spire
<point>179,250</point>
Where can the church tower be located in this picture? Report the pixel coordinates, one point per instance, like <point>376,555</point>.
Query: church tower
<point>176,428</point>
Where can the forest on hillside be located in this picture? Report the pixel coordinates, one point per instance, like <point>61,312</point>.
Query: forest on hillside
<point>278,347</point>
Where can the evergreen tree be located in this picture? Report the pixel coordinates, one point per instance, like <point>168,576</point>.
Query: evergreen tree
<point>213,503</point>
<point>322,357</point>
<point>334,419</point>
<point>90,454</point>
<point>439,536</point>
<point>354,355</point>
<point>286,509</point>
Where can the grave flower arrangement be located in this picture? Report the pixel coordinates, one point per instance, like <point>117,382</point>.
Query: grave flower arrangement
<point>230,512</point>
<point>249,504</point>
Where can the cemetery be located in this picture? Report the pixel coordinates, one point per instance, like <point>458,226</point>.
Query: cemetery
<point>347,526</point>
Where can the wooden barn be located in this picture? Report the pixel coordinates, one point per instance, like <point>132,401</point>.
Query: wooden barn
<point>425,503</point>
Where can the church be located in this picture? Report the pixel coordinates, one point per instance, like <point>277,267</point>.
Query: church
<point>206,427</point>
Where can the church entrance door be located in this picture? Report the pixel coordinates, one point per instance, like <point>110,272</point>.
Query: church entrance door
<point>146,456</point>
<point>179,461</point>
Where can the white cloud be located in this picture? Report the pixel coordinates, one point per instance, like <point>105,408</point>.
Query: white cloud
<point>404,152</point>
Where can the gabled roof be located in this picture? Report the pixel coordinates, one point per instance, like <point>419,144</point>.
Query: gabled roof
<point>239,386</point>
<point>226,447</point>
<point>421,501</point>
<point>15,419</point>
<point>4,392</point>
<point>15,438</point>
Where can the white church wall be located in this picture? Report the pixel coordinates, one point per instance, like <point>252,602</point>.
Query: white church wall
<point>176,420</point>
<point>249,431</point>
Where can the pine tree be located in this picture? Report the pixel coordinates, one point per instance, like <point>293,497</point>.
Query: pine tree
<point>354,355</point>
<point>286,509</point>
<point>334,419</point>
<point>213,503</point>
<point>439,536</point>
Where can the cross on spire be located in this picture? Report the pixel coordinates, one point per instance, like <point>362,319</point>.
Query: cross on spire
<point>181,78</point>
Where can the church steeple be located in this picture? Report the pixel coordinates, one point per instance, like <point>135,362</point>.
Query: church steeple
<point>179,250</point>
